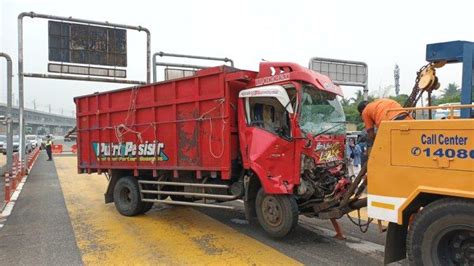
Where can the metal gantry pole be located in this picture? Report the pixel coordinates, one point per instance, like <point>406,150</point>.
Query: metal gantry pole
<point>8,171</point>
<point>22,75</point>
<point>21,107</point>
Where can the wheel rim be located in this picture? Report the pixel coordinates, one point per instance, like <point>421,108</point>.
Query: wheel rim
<point>125,195</point>
<point>271,211</point>
<point>455,245</point>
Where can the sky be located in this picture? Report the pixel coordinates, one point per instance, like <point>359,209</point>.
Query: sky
<point>380,33</point>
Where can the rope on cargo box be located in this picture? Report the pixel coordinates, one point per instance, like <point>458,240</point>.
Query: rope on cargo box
<point>124,126</point>
<point>119,134</point>
<point>202,117</point>
<point>132,106</point>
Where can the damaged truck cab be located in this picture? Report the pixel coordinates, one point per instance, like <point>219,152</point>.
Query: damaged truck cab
<point>274,138</point>
<point>291,132</point>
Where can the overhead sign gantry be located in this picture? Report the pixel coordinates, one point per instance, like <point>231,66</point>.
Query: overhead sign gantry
<point>80,49</point>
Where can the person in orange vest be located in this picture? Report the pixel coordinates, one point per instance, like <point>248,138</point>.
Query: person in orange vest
<point>375,112</point>
<point>49,147</point>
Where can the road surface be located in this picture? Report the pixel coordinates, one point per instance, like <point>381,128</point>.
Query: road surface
<point>61,218</point>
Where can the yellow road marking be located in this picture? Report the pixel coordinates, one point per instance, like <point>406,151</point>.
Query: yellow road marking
<point>168,236</point>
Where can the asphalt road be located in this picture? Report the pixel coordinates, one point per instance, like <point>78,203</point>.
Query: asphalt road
<point>60,218</point>
<point>308,244</point>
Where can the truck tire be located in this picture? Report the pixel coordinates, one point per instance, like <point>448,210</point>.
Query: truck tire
<point>146,207</point>
<point>443,234</point>
<point>179,197</point>
<point>277,214</point>
<point>127,197</point>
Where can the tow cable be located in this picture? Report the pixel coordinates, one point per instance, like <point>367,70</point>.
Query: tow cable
<point>362,227</point>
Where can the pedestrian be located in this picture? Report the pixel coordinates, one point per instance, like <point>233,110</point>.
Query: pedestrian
<point>49,147</point>
<point>357,156</point>
<point>353,157</point>
<point>363,149</point>
<point>375,112</point>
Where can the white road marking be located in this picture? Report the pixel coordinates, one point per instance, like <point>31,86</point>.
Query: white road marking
<point>371,249</point>
<point>368,248</point>
<point>8,208</point>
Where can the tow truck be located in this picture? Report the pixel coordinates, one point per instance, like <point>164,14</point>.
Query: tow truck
<point>421,172</point>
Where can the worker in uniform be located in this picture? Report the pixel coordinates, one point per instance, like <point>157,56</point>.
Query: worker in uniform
<point>49,147</point>
<point>375,112</point>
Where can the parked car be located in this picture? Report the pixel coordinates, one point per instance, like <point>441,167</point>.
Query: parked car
<point>16,145</point>
<point>39,141</point>
<point>3,143</point>
<point>33,140</point>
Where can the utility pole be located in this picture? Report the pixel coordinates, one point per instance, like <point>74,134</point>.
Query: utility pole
<point>396,75</point>
<point>34,104</point>
<point>49,108</point>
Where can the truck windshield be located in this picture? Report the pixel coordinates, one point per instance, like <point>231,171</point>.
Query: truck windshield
<point>321,112</point>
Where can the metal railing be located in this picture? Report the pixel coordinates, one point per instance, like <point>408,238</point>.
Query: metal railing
<point>451,109</point>
<point>186,66</point>
<point>17,172</point>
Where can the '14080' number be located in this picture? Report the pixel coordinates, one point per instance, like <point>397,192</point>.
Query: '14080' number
<point>450,153</point>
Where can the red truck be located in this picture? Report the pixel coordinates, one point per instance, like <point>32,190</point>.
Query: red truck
<point>273,138</point>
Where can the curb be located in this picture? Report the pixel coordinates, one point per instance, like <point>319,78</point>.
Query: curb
<point>7,208</point>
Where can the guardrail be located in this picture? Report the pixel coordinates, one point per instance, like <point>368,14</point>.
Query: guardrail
<point>59,148</point>
<point>17,172</point>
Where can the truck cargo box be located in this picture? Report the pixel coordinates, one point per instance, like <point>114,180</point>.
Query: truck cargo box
<point>183,124</point>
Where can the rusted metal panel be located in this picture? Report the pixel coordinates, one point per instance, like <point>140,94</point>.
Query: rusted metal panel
<point>86,44</point>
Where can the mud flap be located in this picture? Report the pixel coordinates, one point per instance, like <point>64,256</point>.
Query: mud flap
<point>109,193</point>
<point>251,187</point>
<point>395,243</point>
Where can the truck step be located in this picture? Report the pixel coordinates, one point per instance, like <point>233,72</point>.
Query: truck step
<point>194,204</point>
<point>199,195</point>
<point>167,183</point>
<point>195,195</point>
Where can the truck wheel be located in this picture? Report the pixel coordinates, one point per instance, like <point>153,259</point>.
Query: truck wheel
<point>277,214</point>
<point>127,196</point>
<point>146,207</point>
<point>179,197</point>
<point>443,234</point>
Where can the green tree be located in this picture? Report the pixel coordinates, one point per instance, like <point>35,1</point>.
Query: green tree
<point>359,96</point>
<point>450,94</point>
<point>401,99</point>
<point>451,90</point>
<point>350,108</point>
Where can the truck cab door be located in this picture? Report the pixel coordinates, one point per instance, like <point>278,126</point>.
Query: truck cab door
<point>265,137</point>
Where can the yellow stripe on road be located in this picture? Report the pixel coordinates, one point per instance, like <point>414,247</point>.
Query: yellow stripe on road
<point>168,236</point>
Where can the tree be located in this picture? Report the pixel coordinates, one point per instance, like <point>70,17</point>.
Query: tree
<point>451,91</point>
<point>350,108</point>
<point>358,97</point>
<point>450,94</point>
<point>401,99</point>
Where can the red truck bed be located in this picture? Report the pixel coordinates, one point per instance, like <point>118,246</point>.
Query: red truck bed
<point>183,124</point>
